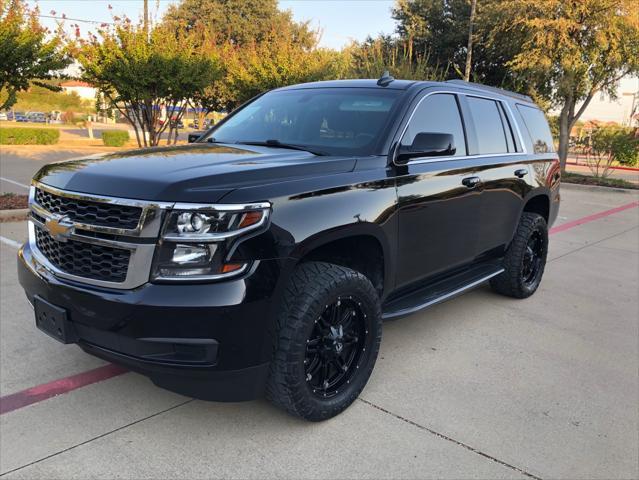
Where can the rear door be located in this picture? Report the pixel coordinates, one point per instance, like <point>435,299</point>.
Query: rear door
<point>438,196</point>
<point>501,165</point>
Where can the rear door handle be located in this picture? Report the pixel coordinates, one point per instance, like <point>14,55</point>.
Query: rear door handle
<point>471,182</point>
<point>521,173</point>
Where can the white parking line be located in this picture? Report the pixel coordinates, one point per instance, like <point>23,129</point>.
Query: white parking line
<point>11,243</point>
<point>14,182</point>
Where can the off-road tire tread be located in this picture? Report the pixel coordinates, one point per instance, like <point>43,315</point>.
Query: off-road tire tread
<point>509,283</point>
<point>309,283</point>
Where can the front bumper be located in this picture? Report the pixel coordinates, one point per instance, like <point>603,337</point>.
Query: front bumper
<point>211,341</point>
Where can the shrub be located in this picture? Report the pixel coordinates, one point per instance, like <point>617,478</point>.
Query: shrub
<point>115,138</point>
<point>625,147</point>
<point>29,136</point>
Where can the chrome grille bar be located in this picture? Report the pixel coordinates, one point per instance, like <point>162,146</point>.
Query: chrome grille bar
<point>141,254</point>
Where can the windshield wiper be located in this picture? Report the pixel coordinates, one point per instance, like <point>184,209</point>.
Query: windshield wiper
<point>278,144</point>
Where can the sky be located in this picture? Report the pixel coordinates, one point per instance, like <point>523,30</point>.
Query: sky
<point>339,20</point>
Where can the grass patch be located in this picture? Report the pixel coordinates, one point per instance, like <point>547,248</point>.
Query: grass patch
<point>601,182</point>
<point>115,138</point>
<point>28,136</point>
<point>11,201</point>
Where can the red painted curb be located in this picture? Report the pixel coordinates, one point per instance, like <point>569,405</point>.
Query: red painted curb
<point>591,218</point>
<point>38,393</point>
<point>631,169</point>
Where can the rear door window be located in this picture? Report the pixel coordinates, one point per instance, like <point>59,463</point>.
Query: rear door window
<point>538,128</point>
<point>491,136</point>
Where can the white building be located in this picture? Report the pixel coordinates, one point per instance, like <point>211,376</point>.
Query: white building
<point>83,89</point>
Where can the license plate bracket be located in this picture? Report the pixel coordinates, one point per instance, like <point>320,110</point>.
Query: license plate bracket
<point>53,321</point>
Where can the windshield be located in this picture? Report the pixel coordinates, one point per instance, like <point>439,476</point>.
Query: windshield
<point>336,121</point>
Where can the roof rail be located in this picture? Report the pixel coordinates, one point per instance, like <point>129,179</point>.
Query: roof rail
<point>500,91</point>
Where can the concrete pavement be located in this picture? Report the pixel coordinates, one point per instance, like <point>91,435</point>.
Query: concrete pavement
<point>481,386</point>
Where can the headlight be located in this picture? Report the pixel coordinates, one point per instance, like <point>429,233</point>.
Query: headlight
<point>196,239</point>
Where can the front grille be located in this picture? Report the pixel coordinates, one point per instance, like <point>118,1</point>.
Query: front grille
<point>84,259</point>
<point>91,213</point>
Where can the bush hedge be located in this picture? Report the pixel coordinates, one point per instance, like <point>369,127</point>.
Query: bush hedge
<point>115,138</point>
<point>29,136</point>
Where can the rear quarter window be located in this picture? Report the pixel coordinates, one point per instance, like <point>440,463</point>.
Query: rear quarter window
<point>537,126</point>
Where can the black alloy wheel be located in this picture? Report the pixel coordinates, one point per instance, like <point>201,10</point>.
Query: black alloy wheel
<point>335,347</point>
<point>533,258</point>
<point>525,259</point>
<point>328,335</point>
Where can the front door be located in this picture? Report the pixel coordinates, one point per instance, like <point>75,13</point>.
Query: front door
<point>439,197</point>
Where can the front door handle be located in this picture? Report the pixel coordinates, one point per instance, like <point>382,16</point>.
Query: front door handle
<point>471,182</point>
<point>521,173</point>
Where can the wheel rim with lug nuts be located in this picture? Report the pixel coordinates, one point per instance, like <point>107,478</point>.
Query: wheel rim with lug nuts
<point>533,257</point>
<point>335,347</point>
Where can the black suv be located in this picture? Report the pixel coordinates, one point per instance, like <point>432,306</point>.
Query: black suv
<point>263,258</point>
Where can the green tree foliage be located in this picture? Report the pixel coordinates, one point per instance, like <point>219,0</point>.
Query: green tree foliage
<point>369,59</point>
<point>611,144</point>
<point>438,29</point>
<point>239,22</point>
<point>27,56</point>
<point>260,46</point>
<point>141,76</point>
<point>569,51</point>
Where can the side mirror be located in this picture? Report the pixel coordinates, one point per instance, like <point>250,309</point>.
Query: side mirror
<point>427,144</point>
<point>194,136</point>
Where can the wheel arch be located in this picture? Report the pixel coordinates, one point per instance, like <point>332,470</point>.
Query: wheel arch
<point>362,247</point>
<point>538,202</point>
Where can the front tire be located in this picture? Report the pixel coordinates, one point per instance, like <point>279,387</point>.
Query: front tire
<point>328,336</point>
<point>525,258</point>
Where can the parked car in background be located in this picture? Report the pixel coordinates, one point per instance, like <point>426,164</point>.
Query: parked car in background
<point>36,117</point>
<point>262,259</point>
<point>3,116</point>
<point>20,117</point>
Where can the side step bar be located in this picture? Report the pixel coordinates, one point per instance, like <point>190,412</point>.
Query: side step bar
<point>439,291</point>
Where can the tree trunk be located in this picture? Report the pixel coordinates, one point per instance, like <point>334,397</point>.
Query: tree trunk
<point>564,136</point>
<point>469,49</point>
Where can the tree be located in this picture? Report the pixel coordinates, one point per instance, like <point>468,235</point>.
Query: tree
<point>26,55</point>
<point>142,77</point>
<point>570,50</point>
<point>277,62</point>
<point>260,46</point>
<point>239,22</point>
<point>469,48</point>
<point>441,31</point>
<point>369,59</point>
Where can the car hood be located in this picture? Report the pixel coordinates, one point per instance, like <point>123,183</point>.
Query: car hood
<point>189,173</point>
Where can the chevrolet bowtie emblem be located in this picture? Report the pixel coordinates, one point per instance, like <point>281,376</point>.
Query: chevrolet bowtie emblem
<point>59,228</point>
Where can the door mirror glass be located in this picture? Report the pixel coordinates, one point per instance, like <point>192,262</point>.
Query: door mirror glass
<point>428,144</point>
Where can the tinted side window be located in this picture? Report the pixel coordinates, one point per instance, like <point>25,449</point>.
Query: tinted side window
<point>488,125</point>
<point>437,114</point>
<point>538,128</point>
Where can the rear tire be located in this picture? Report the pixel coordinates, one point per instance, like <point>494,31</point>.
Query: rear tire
<point>525,258</point>
<point>328,335</point>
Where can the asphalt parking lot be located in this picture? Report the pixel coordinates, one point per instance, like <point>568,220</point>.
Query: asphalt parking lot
<point>481,386</point>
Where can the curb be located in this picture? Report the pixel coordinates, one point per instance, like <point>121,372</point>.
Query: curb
<point>598,188</point>
<point>14,215</point>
